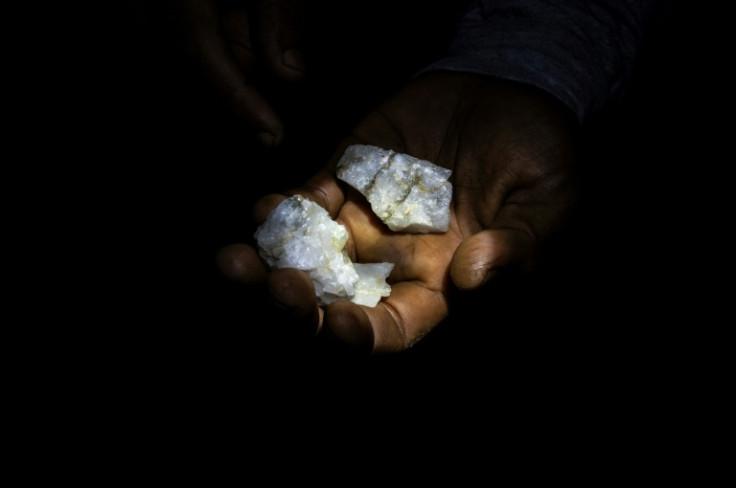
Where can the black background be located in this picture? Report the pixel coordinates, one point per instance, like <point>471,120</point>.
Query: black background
<point>174,179</point>
<point>138,353</point>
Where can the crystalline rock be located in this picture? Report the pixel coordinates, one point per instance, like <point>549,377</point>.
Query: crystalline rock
<point>300,234</point>
<point>408,194</point>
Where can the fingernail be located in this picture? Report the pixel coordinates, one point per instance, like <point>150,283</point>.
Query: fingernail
<point>267,139</point>
<point>294,59</point>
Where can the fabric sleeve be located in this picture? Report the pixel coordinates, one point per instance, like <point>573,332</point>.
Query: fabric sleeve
<point>581,51</point>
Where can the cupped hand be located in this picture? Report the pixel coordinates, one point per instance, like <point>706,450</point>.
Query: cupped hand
<point>511,150</point>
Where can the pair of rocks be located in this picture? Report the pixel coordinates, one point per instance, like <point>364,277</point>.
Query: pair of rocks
<point>408,194</point>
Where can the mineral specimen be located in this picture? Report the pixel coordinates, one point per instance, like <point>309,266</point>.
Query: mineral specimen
<point>408,194</point>
<point>300,234</point>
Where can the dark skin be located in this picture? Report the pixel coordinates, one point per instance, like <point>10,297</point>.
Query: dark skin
<point>511,150</point>
<point>240,46</point>
<point>510,147</point>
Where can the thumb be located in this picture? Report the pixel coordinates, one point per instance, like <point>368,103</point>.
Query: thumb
<point>481,256</point>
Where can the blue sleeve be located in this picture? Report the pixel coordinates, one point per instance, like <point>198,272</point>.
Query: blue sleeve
<point>581,51</point>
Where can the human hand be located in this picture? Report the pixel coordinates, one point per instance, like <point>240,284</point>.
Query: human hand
<point>511,149</point>
<point>240,46</point>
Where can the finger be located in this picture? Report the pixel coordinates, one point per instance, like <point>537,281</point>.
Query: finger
<point>394,325</point>
<point>279,26</point>
<point>293,293</point>
<point>237,30</point>
<point>241,263</point>
<point>349,324</point>
<point>322,188</point>
<point>479,257</point>
<point>264,205</point>
<point>230,80</point>
<point>244,99</point>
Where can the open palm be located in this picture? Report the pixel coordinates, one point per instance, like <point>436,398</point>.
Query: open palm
<point>511,150</point>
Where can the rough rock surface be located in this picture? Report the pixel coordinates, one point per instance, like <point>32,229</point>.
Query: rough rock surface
<point>300,234</point>
<point>408,194</point>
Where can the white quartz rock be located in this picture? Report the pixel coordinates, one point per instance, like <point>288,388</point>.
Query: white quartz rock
<point>371,285</point>
<point>408,194</point>
<point>300,234</point>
